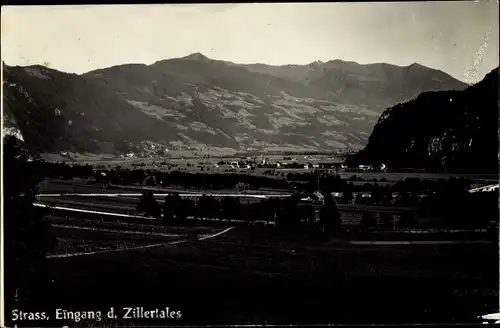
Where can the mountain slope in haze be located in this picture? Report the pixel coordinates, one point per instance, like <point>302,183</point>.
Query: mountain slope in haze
<point>57,111</point>
<point>198,102</point>
<point>262,109</point>
<point>439,130</point>
<point>377,86</point>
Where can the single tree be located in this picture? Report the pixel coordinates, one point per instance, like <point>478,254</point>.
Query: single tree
<point>287,214</point>
<point>377,194</point>
<point>347,195</point>
<point>229,208</point>
<point>188,207</point>
<point>387,219</point>
<point>368,220</point>
<point>207,206</point>
<point>169,209</point>
<point>182,208</point>
<point>329,215</point>
<point>148,205</point>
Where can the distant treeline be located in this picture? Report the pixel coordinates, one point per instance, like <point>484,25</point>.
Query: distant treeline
<point>473,211</point>
<point>60,170</point>
<point>285,213</point>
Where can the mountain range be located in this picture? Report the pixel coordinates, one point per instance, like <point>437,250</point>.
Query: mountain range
<point>447,130</point>
<point>199,103</point>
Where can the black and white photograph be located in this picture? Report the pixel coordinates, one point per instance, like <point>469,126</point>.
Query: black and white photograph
<point>250,164</point>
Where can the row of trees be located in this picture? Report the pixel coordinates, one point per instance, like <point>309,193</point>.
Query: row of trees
<point>61,170</point>
<point>444,210</point>
<point>286,213</point>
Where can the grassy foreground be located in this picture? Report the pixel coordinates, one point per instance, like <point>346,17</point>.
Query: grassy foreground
<point>257,275</point>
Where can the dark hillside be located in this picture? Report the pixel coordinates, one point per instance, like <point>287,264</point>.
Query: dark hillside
<point>447,130</point>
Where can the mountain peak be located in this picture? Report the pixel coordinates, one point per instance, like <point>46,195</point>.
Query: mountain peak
<point>417,65</point>
<point>316,63</point>
<point>196,56</point>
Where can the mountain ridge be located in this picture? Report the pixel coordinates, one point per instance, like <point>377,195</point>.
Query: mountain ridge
<point>198,102</point>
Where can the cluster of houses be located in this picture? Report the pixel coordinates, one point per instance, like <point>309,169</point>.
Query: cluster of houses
<point>293,163</point>
<point>317,198</point>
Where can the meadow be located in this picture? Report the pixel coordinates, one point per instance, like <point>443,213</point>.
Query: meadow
<point>261,275</point>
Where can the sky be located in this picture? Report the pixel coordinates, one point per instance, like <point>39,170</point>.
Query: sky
<point>459,38</point>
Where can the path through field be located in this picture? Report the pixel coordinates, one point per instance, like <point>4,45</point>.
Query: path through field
<point>179,241</point>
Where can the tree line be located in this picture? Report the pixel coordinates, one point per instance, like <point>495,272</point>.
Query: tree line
<point>286,213</point>
<point>446,210</point>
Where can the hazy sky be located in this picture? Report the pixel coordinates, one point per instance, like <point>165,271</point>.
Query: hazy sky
<point>443,35</point>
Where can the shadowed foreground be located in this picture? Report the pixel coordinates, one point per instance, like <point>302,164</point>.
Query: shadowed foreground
<point>254,275</point>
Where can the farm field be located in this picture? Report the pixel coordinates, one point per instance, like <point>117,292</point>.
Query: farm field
<point>256,275</point>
